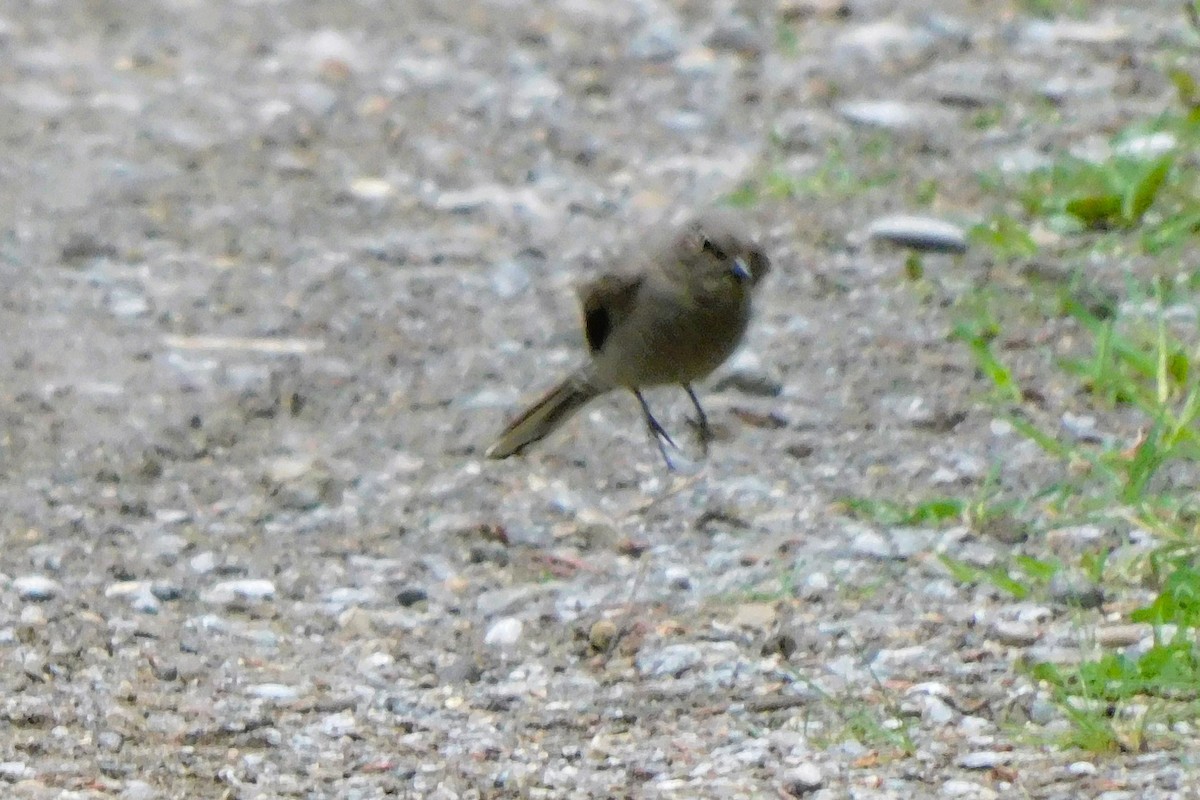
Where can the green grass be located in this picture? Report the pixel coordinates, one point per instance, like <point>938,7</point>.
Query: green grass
<point>1128,355</point>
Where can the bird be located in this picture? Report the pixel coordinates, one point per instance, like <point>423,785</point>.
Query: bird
<point>671,322</point>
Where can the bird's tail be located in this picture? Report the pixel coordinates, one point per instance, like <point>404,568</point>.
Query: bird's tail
<point>544,416</point>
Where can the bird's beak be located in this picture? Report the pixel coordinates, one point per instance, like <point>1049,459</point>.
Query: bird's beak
<point>740,270</point>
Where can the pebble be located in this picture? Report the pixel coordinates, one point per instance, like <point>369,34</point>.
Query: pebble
<point>927,234</point>
<point>985,759</point>
<point>167,547</point>
<point>884,41</point>
<point>1043,711</point>
<point>736,34</point>
<point>504,632</point>
<point>936,712</point>
<point>802,779</point>
<point>672,660</point>
<point>139,790</point>
<point>1013,633</point>
<point>658,42</point>
<point>1082,768</point>
<point>127,304</point>
<point>1075,537</point>
<point>145,603</point>
<point>110,741</point>
<point>509,278</point>
<point>677,577</point>
<point>277,692</point>
<point>745,373</point>
<point>814,587</point>
<point>165,592</point>
<point>872,544</point>
<point>894,115</point>
<point>1124,635</point>
<point>411,595</point>
<point>756,616</point>
<point>968,789</point>
<point>602,634</point>
<point>246,590</point>
<point>203,563</point>
<point>300,484</point>
<point>338,725</point>
<point>909,542</point>
<point>37,588</point>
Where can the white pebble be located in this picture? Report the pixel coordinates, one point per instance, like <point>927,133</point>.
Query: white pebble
<point>246,590</point>
<point>36,588</point>
<point>505,632</point>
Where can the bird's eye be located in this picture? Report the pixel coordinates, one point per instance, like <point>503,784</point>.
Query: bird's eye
<point>709,247</point>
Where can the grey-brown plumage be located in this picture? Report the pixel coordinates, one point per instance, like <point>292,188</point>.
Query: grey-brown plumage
<point>673,322</point>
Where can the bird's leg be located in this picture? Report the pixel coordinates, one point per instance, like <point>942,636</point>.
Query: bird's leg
<point>657,431</point>
<point>700,423</point>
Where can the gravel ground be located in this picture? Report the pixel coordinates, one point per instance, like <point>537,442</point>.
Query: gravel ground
<point>272,273</point>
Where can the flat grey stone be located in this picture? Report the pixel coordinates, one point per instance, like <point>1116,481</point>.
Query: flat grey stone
<point>926,234</point>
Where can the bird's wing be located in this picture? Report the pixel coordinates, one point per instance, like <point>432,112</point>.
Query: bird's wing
<point>606,303</point>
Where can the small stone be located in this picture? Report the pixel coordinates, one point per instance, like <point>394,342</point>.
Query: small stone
<point>1082,768</point>
<point>803,779</point>
<point>504,632</point>
<point>1014,634</point>
<point>247,590</point>
<point>892,115</point>
<point>1075,537</point>
<point>509,278</point>
<point>109,741</point>
<point>735,34</point>
<point>677,578</point>
<point>745,373</point>
<point>672,660</point>
<point>871,544</point>
<point>756,616</point>
<point>338,725</point>
<point>37,588</point>
<point>301,484</point>
<point>32,616</point>
<point>602,634</point>
<point>167,547</point>
<point>884,41</point>
<point>1042,711</point>
<point>356,622</point>
<point>127,304</point>
<point>968,789</point>
<point>276,692</point>
<point>85,247</point>
<point>659,42</point>
<point>936,712</point>
<point>984,759</point>
<point>139,790</point>
<point>926,234</point>
<point>815,586</point>
<point>165,592</point>
<point>1081,427</point>
<point>411,595</point>
<point>203,563</point>
<point>144,602</point>
<point>13,771</point>
<point>1121,635</point>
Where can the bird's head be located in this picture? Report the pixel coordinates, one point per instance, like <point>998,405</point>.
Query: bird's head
<point>719,244</point>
